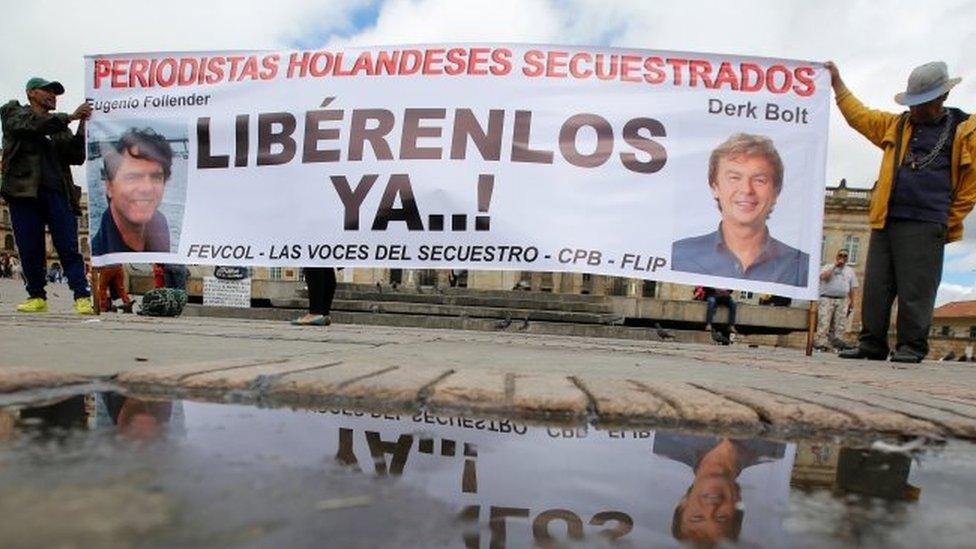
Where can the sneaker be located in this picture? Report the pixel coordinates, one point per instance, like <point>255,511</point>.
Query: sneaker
<point>312,320</point>
<point>33,305</point>
<point>83,306</point>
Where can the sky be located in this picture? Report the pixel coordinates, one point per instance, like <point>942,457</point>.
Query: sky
<point>875,43</point>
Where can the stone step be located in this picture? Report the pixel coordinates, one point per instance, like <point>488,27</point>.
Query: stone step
<point>459,300</point>
<point>498,294</point>
<point>436,309</point>
<point>538,327</point>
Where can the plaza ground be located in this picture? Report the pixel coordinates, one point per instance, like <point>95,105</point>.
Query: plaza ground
<point>763,390</point>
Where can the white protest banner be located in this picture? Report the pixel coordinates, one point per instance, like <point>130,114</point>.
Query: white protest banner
<point>680,167</point>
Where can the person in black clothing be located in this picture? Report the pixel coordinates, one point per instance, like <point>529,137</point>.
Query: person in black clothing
<point>321,283</point>
<point>713,297</point>
<point>35,180</point>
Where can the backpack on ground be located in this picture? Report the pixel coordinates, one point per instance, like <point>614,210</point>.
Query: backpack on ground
<point>163,302</point>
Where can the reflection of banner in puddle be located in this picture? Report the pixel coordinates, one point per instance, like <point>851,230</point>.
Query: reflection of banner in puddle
<point>478,157</point>
<point>522,483</point>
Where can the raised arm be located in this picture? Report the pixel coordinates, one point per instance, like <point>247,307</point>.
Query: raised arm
<point>871,123</point>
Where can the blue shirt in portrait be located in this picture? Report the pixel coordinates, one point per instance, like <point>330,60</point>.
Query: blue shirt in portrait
<point>708,254</point>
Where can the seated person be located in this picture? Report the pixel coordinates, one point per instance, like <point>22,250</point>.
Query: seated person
<point>713,297</point>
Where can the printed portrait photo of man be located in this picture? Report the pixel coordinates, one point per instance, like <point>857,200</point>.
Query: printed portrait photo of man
<point>745,177</point>
<point>136,169</point>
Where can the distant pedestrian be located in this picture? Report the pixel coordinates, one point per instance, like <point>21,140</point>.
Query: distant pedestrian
<point>713,297</point>
<point>926,187</point>
<point>321,282</point>
<point>837,283</point>
<point>38,149</point>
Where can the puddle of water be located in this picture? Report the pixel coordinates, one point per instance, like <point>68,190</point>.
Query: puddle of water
<point>107,470</point>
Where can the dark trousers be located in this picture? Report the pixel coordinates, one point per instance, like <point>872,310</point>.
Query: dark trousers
<point>175,275</point>
<point>321,283</point>
<point>712,303</point>
<point>904,261</point>
<point>28,217</point>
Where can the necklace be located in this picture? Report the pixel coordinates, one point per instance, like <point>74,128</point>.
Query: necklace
<point>918,163</point>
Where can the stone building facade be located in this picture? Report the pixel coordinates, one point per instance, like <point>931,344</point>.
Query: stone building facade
<point>846,226</point>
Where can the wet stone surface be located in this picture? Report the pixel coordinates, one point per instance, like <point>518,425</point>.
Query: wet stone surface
<point>108,470</point>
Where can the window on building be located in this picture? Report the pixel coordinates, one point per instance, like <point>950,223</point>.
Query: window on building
<point>648,288</point>
<point>972,332</point>
<point>853,245</point>
<point>275,273</point>
<point>947,331</point>
<point>745,295</point>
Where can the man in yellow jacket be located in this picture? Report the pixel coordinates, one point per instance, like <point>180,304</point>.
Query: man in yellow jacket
<point>925,188</point>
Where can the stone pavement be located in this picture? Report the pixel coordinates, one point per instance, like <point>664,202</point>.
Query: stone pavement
<point>774,392</point>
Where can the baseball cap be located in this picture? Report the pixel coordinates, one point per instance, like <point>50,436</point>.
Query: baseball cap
<point>38,82</point>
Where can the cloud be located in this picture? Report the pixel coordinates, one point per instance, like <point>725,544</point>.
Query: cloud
<point>954,292</point>
<point>50,38</point>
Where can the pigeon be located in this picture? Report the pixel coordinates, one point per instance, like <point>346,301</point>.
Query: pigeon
<point>505,323</point>
<point>374,308</point>
<point>379,288</point>
<point>718,337</point>
<point>951,355</point>
<point>662,333</point>
<point>525,324</point>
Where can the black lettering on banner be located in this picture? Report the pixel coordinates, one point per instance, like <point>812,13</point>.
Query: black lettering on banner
<point>359,134</point>
<point>243,140</point>
<point>604,140</point>
<point>659,156</point>
<point>399,186</point>
<point>521,150</point>
<point>268,137</point>
<point>488,141</point>
<point>352,200</point>
<point>204,159</point>
<point>315,133</point>
<point>413,131</point>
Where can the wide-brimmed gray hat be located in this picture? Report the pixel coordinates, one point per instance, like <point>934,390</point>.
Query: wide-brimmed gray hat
<point>926,82</point>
